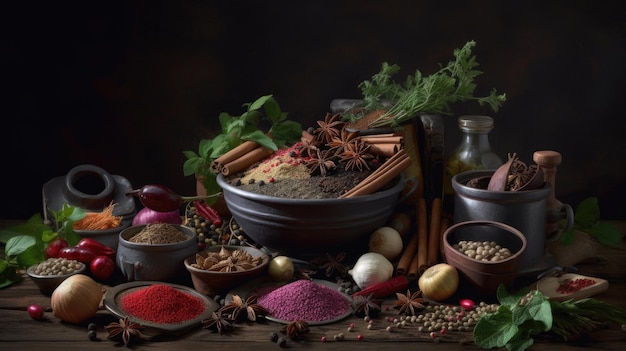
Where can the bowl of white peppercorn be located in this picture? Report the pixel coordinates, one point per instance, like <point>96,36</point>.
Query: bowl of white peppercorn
<point>487,253</point>
<point>50,273</point>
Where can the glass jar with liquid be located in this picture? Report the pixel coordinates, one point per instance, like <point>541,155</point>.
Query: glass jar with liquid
<point>473,153</point>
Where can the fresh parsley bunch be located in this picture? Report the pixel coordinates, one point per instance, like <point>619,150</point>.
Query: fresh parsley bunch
<point>433,94</point>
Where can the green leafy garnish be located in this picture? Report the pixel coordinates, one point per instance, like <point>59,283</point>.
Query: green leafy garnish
<point>526,314</point>
<point>587,219</point>
<point>237,129</point>
<point>420,93</point>
<point>25,244</point>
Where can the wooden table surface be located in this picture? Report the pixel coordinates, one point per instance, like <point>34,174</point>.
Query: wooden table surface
<point>19,332</point>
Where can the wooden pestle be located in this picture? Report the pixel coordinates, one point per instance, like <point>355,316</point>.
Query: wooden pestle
<point>548,160</point>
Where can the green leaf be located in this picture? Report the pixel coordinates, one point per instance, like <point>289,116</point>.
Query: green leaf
<point>606,233</point>
<point>205,147</point>
<point>260,138</point>
<point>18,244</point>
<point>70,235</point>
<point>258,103</point>
<point>32,255</point>
<point>49,235</point>
<point>495,330</point>
<point>9,275</point>
<point>519,344</point>
<point>189,155</point>
<point>587,213</point>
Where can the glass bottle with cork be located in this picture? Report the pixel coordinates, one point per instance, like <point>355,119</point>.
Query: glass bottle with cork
<point>473,153</point>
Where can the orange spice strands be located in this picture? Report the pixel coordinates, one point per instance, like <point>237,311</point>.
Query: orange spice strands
<point>99,220</point>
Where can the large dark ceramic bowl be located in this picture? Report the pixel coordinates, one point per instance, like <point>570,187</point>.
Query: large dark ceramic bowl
<point>305,227</point>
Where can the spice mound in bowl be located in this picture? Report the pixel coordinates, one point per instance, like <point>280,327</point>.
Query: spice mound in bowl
<point>218,269</point>
<point>486,253</point>
<point>155,251</point>
<point>304,300</point>
<point>50,273</point>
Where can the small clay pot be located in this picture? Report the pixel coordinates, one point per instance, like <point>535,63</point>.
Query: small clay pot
<point>211,283</point>
<point>485,276</point>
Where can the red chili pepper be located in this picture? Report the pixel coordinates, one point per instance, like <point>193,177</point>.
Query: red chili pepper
<point>208,212</point>
<point>386,288</point>
<point>79,254</point>
<point>96,247</point>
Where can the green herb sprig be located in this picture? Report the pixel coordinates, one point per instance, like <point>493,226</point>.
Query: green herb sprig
<point>587,219</point>
<point>526,314</point>
<point>421,93</point>
<point>25,244</point>
<point>237,129</point>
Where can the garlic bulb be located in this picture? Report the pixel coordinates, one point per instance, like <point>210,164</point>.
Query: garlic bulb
<point>371,268</point>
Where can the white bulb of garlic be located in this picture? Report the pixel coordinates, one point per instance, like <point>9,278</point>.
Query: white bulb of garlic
<point>371,268</point>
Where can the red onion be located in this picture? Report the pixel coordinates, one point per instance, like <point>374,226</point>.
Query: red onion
<point>147,216</point>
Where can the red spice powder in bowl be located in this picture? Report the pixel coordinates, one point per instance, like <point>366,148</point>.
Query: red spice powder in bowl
<point>162,304</point>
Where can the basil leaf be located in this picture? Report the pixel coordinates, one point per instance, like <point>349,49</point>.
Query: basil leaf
<point>18,244</point>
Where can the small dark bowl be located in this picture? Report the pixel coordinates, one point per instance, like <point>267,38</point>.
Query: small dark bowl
<point>486,276</point>
<point>47,283</point>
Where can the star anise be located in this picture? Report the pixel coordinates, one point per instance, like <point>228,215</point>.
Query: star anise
<point>218,322</point>
<point>409,303</point>
<point>338,144</point>
<point>329,128</point>
<point>124,330</point>
<point>295,329</point>
<point>355,155</point>
<point>334,265</point>
<point>239,308</point>
<point>322,162</point>
<point>365,306</point>
<point>308,144</point>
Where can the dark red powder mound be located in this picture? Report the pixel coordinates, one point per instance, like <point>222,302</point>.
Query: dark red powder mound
<point>162,304</point>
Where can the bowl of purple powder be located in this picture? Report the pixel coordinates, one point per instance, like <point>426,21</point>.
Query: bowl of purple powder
<point>316,301</point>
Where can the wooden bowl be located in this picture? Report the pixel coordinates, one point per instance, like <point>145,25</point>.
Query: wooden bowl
<point>212,283</point>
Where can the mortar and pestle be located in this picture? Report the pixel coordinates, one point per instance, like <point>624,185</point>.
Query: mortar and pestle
<point>536,213</point>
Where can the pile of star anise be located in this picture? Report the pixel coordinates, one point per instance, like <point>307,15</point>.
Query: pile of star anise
<point>331,145</point>
<point>226,260</point>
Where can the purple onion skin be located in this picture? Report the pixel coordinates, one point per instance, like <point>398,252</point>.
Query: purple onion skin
<point>149,216</point>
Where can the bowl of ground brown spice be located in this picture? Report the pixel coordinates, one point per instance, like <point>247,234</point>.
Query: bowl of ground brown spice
<point>155,251</point>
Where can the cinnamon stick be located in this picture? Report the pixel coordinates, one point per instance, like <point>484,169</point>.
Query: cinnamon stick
<point>233,154</point>
<point>404,263</point>
<point>385,166</point>
<point>382,139</point>
<point>434,237</point>
<point>246,160</point>
<point>383,175</point>
<point>418,264</point>
<point>422,248</point>
<point>386,150</point>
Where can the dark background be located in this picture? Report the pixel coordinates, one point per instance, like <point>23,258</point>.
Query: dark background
<point>129,85</point>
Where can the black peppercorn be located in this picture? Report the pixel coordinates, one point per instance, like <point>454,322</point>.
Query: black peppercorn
<point>92,335</point>
<point>282,342</point>
<point>273,337</point>
<point>92,326</point>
